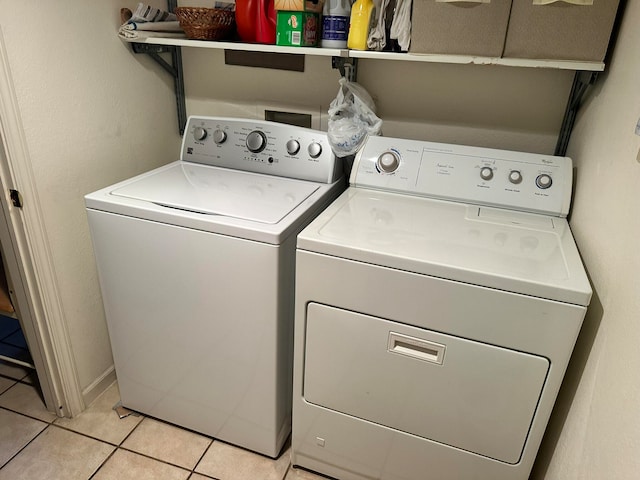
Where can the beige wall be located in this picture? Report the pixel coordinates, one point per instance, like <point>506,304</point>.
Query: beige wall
<point>93,113</point>
<point>595,432</point>
<point>500,107</point>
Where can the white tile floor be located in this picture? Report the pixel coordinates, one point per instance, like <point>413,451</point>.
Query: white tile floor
<point>98,445</point>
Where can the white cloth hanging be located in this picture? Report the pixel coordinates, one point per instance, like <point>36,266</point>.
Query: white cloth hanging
<point>401,25</point>
<point>377,35</point>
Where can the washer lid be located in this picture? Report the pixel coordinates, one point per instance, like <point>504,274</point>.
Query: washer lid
<point>217,191</point>
<point>513,251</point>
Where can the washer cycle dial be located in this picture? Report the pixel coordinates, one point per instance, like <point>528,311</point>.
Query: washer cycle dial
<point>388,162</point>
<point>256,141</point>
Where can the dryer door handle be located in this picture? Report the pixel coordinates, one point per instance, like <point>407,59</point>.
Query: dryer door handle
<point>416,348</point>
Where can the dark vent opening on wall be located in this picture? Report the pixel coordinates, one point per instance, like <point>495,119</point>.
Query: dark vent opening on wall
<point>279,61</point>
<point>297,119</point>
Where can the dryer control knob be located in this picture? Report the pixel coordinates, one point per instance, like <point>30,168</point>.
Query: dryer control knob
<point>543,181</point>
<point>199,134</point>
<point>515,177</point>
<point>486,173</point>
<point>293,147</point>
<point>388,162</point>
<point>315,149</point>
<point>219,136</point>
<point>256,141</point>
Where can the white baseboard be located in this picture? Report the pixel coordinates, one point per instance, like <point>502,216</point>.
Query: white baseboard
<point>99,385</point>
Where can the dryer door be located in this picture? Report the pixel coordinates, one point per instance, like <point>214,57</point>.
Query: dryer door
<point>465,394</point>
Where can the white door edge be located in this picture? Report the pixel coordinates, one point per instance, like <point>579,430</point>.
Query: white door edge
<point>32,272</point>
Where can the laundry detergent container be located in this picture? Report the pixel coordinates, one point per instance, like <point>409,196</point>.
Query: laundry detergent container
<point>470,27</point>
<point>560,30</point>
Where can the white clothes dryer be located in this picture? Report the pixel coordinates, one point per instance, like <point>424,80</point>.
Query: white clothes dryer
<point>196,265</point>
<point>438,301</point>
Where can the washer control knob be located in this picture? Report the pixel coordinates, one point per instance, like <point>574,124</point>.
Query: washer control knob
<point>388,162</point>
<point>199,134</point>
<point>543,181</point>
<point>515,177</point>
<point>219,136</point>
<point>486,173</point>
<point>315,149</point>
<point>256,141</point>
<point>293,147</point>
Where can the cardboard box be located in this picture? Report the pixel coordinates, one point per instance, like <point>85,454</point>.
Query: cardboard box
<point>459,28</point>
<point>299,5</point>
<point>560,30</point>
<point>297,29</point>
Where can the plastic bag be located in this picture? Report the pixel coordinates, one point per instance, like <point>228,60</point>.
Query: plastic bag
<point>351,118</point>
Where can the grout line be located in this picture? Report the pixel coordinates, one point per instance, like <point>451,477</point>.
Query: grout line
<point>9,387</point>
<point>103,463</point>
<point>24,415</point>
<point>21,379</point>
<point>86,435</point>
<point>126,437</point>
<point>156,459</point>
<point>206,450</point>
<point>120,446</point>
<point>47,424</point>
<point>38,392</point>
<point>192,476</point>
<point>25,446</point>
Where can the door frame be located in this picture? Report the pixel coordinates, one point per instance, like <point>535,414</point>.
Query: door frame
<point>30,262</point>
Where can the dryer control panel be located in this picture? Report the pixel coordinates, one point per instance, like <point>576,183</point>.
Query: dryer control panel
<point>261,147</point>
<point>500,178</point>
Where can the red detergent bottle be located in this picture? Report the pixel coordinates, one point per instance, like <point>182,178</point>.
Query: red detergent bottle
<point>256,21</point>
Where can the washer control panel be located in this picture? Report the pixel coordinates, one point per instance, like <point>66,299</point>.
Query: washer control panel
<point>260,146</point>
<point>515,180</point>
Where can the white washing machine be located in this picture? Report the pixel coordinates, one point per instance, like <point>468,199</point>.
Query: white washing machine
<point>438,301</point>
<point>196,265</point>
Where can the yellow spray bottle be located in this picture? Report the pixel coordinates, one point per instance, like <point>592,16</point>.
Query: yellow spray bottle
<point>362,18</point>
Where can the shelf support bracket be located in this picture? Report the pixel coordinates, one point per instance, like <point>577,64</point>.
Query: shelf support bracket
<point>581,82</point>
<point>348,67</point>
<point>174,69</point>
